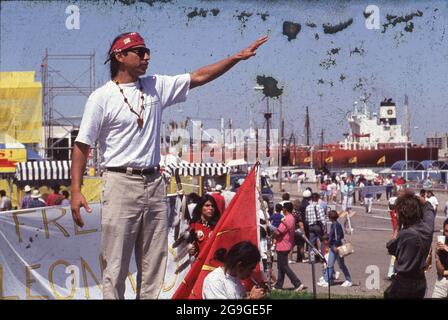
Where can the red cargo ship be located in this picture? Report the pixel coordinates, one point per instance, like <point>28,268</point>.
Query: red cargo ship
<point>373,141</point>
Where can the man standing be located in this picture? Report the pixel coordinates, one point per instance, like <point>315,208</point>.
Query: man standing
<point>316,221</point>
<point>300,180</point>
<point>124,116</point>
<point>5,201</point>
<point>24,204</point>
<point>36,200</point>
<point>347,192</point>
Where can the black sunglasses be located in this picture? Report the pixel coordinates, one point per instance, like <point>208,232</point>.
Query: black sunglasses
<point>141,51</point>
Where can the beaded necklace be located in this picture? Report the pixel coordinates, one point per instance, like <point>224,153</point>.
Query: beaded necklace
<point>142,106</point>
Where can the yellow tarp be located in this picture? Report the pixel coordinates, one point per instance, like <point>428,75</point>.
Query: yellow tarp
<point>92,189</point>
<point>21,106</point>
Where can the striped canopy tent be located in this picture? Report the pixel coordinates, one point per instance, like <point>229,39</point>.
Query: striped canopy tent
<point>32,172</point>
<point>197,169</point>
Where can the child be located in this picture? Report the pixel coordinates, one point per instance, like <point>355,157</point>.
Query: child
<point>277,217</point>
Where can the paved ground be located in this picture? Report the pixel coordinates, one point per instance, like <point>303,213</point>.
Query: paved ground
<point>371,233</point>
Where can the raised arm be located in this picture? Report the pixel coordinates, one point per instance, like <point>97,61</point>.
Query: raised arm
<point>79,160</point>
<point>208,73</point>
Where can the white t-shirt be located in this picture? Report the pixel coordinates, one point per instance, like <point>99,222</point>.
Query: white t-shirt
<point>433,201</point>
<point>5,204</point>
<point>220,285</point>
<point>108,119</point>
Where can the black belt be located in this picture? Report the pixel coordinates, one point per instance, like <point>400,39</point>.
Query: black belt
<point>130,171</point>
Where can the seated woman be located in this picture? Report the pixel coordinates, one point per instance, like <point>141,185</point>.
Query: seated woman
<point>205,217</point>
<point>225,282</point>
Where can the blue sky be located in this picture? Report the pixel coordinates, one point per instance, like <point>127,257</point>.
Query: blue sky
<point>389,64</point>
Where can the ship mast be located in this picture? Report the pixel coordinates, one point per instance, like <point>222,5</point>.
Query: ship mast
<point>407,124</point>
<point>292,144</point>
<point>321,147</point>
<point>307,128</point>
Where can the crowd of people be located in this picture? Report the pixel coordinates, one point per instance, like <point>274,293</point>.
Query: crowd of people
<point>312,217</point>
<point>412,216</point>
<point>308,215</point>
<point>344,186</point>
<point>33,198</point>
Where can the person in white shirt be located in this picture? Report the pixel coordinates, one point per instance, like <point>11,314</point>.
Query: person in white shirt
<point>433,200</point>
<point>300,180</point>
<point>225,282</point>
<point>124,119</point>
<point>5,201</point>
<point>333,192</point>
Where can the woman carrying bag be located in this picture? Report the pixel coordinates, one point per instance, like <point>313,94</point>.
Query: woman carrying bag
<point>336,235</point>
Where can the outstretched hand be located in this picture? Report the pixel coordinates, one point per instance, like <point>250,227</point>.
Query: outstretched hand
<point>251,50</point>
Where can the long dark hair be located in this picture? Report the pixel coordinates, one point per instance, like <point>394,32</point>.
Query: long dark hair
<point>198,210</point>
<point>114,66</point>
<point>244,253</point>
<point>409,210</point>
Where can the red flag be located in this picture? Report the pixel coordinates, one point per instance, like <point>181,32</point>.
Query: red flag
<point>238,223</point>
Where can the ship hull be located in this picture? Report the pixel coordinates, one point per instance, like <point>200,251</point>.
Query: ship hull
<point>361,158</point>
<point>340,158</point>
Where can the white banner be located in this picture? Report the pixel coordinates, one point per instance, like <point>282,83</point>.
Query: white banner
<point>44,255</point>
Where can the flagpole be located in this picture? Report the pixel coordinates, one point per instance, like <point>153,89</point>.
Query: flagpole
<point>268,234</point>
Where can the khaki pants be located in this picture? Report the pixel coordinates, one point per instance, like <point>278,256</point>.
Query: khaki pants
<point>133,217</point>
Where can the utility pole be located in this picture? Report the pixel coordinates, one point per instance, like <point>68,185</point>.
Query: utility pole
<point>407,129</point>
<point>308,136</point>
<point>307,128</point>
<point>280,164</point>
<point>321,147</point>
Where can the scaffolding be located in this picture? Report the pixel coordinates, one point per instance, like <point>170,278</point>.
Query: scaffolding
<point>64,75</point>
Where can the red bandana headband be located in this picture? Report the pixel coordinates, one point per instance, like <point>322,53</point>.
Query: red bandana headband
<point>126,41</point>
